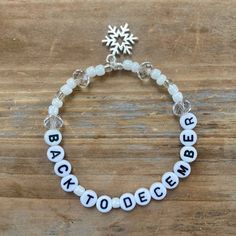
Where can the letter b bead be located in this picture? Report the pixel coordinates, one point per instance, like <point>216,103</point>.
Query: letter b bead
<point>52,137</point>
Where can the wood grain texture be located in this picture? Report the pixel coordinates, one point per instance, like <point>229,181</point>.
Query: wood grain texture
<point>119,133</point>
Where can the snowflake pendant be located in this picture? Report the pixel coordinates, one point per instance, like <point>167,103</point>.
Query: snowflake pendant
<point>119,40</point>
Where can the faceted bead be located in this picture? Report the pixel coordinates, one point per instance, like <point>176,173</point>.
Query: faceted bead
<point>104,204</point>
<point>127,65</point>
<point>182,107</point>
<point>188,137</point>
<point>62,168</point>
<point>79,190</point>
<point>53,122</point>
<point>145,71</point>
<point>142,196</point>
<point>52,137</point>
<point>53,110</point>
<point>91,72</point>
<point>84,81</point>
<point>69,183</point>
<point>170,180</point>
<point>158,191</point>
<point>88,198</point>
<point>115,202</point>
<point>155,74</point>
<point>188,154</point>
<point>100,71</point>
<point>60,95</point>
<point>182,169</point>
<point>55,153</point>
<point>161,79</point>
<point>188,121</point>
<point>127,201</point>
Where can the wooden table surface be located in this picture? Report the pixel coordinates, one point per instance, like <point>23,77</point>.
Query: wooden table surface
<point>119,133</point>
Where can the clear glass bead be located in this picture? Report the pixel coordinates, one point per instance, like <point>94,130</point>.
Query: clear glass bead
<point>81,78</point>
<point>145,70</point>
<point>108,68</point>
<point>167,83</point>
<point>53,122</point>
<point>182,107</point>
<point>60,95</point>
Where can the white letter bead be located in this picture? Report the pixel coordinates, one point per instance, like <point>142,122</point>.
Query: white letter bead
<point>155,74</point>
<point>57,102</point>
<point>188,121</point>
<point>161,79</point>
<point>71,83</point>
<point>52,137</point>
<point>69,183</point>
<point>55,153</point>
<point>170,180</point>
<point>91,72</point>
<point>127,64</point>
<point>104,204</point>
<point>182,169</point>
<point>66,89</point>
<point>177,97</point>
<point>88,198</point>
<point>188,154</point>
<point>135,67</point>
<point>188,137</point>
<point>173,89</point>
<point>142,196</point>
<point>158,191</point>
<point>100,70</point>
<point>115,202</point>
<point>127,202</point>
<point>62,168</point>
<point>53,110</point>
<point>79,190</point>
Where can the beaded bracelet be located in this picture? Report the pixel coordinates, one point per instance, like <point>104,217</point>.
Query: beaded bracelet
<point>144,71</point>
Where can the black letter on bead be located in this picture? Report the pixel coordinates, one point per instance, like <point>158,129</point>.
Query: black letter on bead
<point>125,202</point>
<point>188,121</point>
<point>89,197</point>
<point>188,138</point>
<point>183,170</point>
<point>68,182</point>
<point>189,154</point>
<point>170,181</point>
<point>53,137</point>
<point>102,205</point>
<point>63,166</point>
<point>55,154</point>
<point>155,191</point>
<point>142,197</point>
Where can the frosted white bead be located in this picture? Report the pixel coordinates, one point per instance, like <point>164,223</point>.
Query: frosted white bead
<point>188,154</point>
<point>57,102</point>
<point>69,183</point>
<point>88,198</point>
<point>188,121</point>
<point>177,97</point>
<point>62,168</point>
<point>127,201</point>
<point>155,74</point>
<point>172,89</point>
<point>127,64</point>
<point>66,89</point>
<point>115,202</point>
<point>104,204</point>
<point>142,196</point>
<point>158,191</point>
<point>52,137</point>
<point>55,153</point>
<point>100,70</point>
<point>182,169</point>
<point>53,110</point>
<point>71,83</point>
<point>135,67</point>
<point>90,71</point>
<point>188,137</point>
<point>170,180</point>
<point>161,79</point>
<point>79,190</point>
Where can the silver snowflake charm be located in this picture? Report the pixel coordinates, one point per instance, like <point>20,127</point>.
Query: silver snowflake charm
<point>119,40</point>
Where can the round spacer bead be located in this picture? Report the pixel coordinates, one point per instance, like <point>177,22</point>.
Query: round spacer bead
<point>91,72</point>
<point>71,83</point>
<point>161,79</point>
<point>53,110</point>
<point>115,202</point>
<point>135,67</point>
<point>177,97</point>
<point>155,74</point>
<point>100,70</point>
<point>66,89</point>
<point>127,65</point>
<point>57,102</point>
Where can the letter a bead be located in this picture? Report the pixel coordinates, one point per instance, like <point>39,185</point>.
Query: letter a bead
<point>55,153</point>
